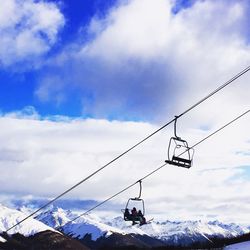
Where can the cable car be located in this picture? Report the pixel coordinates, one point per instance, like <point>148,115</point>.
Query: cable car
<point>131,204</point>
<point>179,153</point>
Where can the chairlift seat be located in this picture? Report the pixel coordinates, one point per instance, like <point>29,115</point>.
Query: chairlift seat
<point>179,159</point>
<point>180,162</point>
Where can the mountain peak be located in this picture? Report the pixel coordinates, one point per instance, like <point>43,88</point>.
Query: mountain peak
<point>10,217</point>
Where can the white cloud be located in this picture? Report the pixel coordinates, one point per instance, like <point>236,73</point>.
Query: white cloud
<point>146,61</point>
<point>44,158</point>
<point>128,32</point>
<point>146,30</point>
<point>143,61</point>
<point>28,29</point>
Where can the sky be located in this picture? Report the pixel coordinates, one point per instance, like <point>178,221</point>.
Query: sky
<point>82,81</point>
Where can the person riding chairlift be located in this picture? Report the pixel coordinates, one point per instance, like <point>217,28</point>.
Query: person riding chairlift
<point>134,212</point>
<point>127,214</point>
<point>133,215</point>
<point>142,218</point>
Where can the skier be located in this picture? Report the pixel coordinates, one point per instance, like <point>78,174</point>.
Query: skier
<point>142,218</point>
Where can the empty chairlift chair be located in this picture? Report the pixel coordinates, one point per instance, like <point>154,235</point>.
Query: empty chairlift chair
<point>179,153</point>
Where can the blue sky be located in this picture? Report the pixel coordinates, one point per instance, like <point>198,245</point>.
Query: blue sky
<point>20,79</point>
<point>18,83</point>
<point>78,75</point>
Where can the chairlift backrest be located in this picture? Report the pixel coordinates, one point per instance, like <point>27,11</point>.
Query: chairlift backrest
<point>139,202</point>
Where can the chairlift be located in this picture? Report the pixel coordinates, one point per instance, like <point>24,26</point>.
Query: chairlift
<point>179,153</point>
<point>137,202</point>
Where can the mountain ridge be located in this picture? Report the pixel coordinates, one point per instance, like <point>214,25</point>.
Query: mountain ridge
<point>95,232</point>
<point>170,232</point>
<point>9,217</point>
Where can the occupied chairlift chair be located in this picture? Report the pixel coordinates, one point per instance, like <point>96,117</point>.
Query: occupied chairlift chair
<point>179,153</point>
<point>138,201</point>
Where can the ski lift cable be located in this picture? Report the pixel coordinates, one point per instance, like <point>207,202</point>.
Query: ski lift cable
<point>216,90</point>
<point>156,170</point>
<point>134,146</point>
<point>226,125</point>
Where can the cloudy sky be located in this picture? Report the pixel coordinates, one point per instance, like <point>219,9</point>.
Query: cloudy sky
<point>81,81</point>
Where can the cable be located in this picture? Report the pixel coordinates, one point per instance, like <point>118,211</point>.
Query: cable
<point>217,90</point>
<point>134,146</point>
<point>215,132</point>
<point>91,175</point>
<point>154,171</point>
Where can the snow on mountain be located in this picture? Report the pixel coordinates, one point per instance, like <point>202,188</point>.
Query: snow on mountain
<point>172,232</point>
<point>89,225</point>
<point>125,226</point>
<point>56,217</point>
<point>9,217</point>
<point>2,239</point>
<point>185,231</point>
<point>239,246</point>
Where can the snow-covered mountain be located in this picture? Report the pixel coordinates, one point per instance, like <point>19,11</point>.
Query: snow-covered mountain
<point>95,230</point>
<point>170,232</point>
<point>55,217</point>
<point>9,217</point>
<point>184,232</point>
<point>89,224</point>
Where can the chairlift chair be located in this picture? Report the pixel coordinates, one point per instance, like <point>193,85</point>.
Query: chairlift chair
<point>179,153</point>
<point>131,203</point>
<point>140,203</point>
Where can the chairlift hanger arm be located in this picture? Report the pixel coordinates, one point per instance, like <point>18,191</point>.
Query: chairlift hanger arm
<point>175,123</point>
<point>140,190</point>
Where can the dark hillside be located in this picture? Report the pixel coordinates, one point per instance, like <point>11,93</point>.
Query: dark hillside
<point>49,240</point>
<point>46,240</point>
